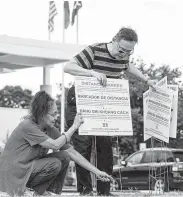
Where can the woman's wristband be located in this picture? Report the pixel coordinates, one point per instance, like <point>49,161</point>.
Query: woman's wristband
<point>66,137</point>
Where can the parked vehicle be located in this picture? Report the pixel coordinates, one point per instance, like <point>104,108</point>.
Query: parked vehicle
<point>155,169</point>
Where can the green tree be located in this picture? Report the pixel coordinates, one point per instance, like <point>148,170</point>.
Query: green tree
<point>15,97</point>
<point>58,102</point>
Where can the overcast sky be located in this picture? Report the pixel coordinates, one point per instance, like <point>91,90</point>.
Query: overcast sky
<point>157,22</point>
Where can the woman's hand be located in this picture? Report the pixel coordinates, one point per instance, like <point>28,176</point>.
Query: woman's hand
<point>78,120</point>
<point>103,176</point>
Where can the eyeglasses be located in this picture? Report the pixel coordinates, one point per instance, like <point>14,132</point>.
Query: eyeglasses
<point>55,114</point>
<point>124,51</point>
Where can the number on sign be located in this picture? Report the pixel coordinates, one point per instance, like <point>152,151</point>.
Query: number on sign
<point>105,124</point>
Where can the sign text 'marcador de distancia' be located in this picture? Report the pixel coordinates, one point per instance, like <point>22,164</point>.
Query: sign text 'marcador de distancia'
<point>103,97</point>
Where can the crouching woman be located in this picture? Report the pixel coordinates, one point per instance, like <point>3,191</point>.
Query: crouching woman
<point>25,161</point>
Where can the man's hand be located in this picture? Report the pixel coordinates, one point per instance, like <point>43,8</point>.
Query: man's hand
<point>152,83</point>
<point>100,77</point>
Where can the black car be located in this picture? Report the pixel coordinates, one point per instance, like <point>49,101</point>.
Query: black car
<point>154,169</point>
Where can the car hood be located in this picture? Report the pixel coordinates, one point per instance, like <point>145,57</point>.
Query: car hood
<point>118,167</point>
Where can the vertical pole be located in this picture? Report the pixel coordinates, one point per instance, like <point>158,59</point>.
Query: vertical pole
<point>63,25</point>
<point>118,152</point>
<point>62,115</point>
<point>77,29</point>
<point>46,75</point>
<point>49,35</point>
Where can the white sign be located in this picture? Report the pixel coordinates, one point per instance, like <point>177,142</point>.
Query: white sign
<point>162,84</point>
<point>159,114</point>
<point>173,121</point>
<point>106,110</point>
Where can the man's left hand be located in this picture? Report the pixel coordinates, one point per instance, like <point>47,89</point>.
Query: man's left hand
<point>152,83</point>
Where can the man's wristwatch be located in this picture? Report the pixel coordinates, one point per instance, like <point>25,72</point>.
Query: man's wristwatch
<point>146,80</point>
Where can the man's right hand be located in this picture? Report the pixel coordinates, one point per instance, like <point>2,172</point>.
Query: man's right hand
<point>100,77</point>
<point>78,120</point>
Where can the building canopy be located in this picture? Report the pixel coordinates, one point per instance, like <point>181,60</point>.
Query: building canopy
<point>17,53</point>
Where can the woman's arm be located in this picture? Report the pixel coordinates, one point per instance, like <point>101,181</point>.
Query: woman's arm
<point>56,144</point>
<point>59,142</point>
<point>80,160</point>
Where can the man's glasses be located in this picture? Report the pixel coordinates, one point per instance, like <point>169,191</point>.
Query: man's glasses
<point>124,51</point>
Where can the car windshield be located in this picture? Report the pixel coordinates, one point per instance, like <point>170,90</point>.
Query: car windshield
<point>179,155</point>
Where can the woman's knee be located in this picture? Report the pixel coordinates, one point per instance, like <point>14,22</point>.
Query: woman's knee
<point>57,165</point>
<point>66,156</point>
<point>63,156</point>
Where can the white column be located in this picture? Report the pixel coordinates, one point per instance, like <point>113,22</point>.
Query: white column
<point>46,80</point>
<point>46,75</point>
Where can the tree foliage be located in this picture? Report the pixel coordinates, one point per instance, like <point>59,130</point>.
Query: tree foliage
<point>58,102</point>
<point>15,97</point>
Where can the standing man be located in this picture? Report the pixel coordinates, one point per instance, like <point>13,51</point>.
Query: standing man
<point>102,61</point>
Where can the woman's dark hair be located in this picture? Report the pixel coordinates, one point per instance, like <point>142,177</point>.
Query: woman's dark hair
<point>39,106</point>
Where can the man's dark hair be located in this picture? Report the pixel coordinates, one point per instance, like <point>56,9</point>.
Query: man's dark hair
<point>126,34</point>
<point>39,106</point>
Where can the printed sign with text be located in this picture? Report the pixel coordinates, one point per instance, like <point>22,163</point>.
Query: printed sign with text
<point>106,110</point>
